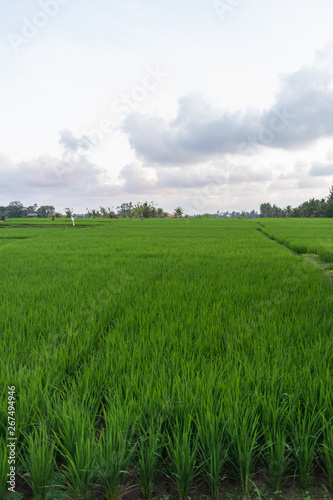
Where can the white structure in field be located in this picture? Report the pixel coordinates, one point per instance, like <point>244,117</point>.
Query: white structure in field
<point>73,220</point>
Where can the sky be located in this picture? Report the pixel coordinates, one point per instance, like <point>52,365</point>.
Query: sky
<point>204,104</point>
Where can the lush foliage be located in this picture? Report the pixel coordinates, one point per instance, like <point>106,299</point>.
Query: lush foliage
<point>310,208</point>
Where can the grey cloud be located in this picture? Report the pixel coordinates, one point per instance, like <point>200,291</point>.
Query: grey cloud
<point>192,137</point>
<point>140,178</point>
<point>306,100</point>
<point>187,177</point>
<point>136,179</point>
<point>208,178</point>
<point>301,114</point>
<point>48,176</point>
<point>74,144</point>
<point>249,175</point>
<point>310,183</point>
<point>321,170</point>
<point>297,171</point>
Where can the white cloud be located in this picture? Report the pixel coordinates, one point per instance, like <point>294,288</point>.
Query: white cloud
<point>300,115</point>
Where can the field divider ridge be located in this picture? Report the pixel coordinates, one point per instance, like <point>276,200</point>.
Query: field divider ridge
<point>325,266</point>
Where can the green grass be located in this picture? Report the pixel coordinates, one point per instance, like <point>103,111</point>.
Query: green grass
<point>205,327</point>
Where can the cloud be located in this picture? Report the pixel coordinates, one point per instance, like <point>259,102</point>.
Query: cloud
<point>207,178</point>
<point>307,98</point>
<point>49,177</point>
<point>137,179</point>
<point>245,174</point>
<point>300,114</point>
<point>321,170</point>
<point>48,172</point>
<point>311,184</point>
<point>77,147</point>
<point>195,135</point>
<point>323,56</point>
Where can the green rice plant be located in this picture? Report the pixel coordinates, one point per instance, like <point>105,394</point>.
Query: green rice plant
<point>4,467</point>
<point>40,461</point>
<point>213,448</point>
<point>75,436</point>
<point>149,458</point>
<point>305,429</point>
<point>326,449</point>
<point>79,470</point>
<point>243,430</point>
<point>182,447</point>
<point>151,313</point>
<point>70,423</point>
<point>276,452</point>
<point>115,450</point>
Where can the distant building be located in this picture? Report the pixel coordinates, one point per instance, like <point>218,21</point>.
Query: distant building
<point>170,215</point>
<point>32,216</point>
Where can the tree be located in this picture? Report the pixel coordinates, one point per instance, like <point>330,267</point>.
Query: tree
<point>144,210</point>
<point>31,209</point>
<point>178,212</point>
<point>329,204</point>
<point>46,211</point>
<point>107,212</point>
<point>68,212</point>
<point>253,214</point>
<point>125,209</point>
<point>289,211</point>
<point>15,210</point>
<point>92,213</point>
<point>265,210</point>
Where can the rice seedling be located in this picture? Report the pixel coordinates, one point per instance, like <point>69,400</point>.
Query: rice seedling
<point>39,461</point>
<point>115,450</point>
<point>183,446</point>
<point>326,450</point>
<point>71,422</point>
<point>4,467</point>
<point>149,457</point>
<point>244,433</point>
<point>305,429</point>
<point>77,446</point>
<point>79,470</point>
<point>213,447</point>
<point>276,452</point>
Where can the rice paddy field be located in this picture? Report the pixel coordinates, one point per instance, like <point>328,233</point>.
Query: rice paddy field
<point>166,359</point>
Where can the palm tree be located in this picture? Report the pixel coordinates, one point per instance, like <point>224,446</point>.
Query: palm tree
<point>178,212</point>
<point>144,210</point>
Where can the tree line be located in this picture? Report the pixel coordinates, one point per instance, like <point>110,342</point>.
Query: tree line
<point>16,210</point>
<point>144,210</point>
<point>310,208</point>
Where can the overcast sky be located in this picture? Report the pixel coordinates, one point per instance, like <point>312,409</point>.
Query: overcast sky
<point>211,105</point>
